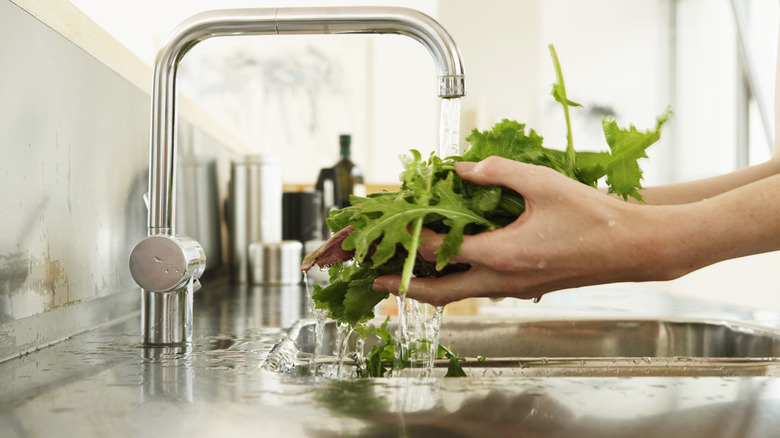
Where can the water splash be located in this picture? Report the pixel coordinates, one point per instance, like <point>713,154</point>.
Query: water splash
<point>344,334</point>
<point>417,337</point>
<point>432,331</point>
<point>321,317</point>
<point>401,335</point>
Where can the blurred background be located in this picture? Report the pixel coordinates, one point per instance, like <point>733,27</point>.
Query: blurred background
<point>631,59</point>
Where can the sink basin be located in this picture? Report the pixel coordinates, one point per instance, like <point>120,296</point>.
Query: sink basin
<point>576,347</point>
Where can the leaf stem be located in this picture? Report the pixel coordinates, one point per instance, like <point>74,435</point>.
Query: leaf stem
<point>408,270</point>
<point>561,89</point>
<point>406,274</point>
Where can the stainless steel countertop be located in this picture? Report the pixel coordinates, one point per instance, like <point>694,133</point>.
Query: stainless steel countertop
<point>103,383</point>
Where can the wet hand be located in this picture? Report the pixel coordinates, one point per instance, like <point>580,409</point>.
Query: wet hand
<point>570,235</point>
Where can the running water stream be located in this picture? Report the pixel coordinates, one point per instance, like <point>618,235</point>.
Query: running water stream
<point>449,128</point>
<point>418,324</point>
<point>416,321</point>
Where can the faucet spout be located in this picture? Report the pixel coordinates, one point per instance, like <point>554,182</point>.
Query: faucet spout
<point>281,21</point>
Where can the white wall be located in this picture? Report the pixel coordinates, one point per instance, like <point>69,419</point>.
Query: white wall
<point>500,42</point>
<point>293,96</point>
<point>707,104</point>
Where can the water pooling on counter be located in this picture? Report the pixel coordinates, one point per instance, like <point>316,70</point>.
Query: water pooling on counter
<point>102,383</point>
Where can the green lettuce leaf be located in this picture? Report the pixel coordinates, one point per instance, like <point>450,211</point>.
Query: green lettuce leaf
<point>627,146</point>
<point>347,298</point>
<point>383,222</point>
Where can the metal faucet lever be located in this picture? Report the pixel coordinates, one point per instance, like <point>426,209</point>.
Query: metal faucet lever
<point>167,268</point>
<point>159,326</point>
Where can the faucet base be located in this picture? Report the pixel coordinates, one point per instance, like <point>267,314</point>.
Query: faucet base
<point>166,318</point>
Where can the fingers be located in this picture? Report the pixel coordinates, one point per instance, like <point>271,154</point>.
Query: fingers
<point>527,179</point>
<point>493,170</point>
<point>430,241</point>
<point>447,289</point>
<point>443,290</point>
<point>471,247</point>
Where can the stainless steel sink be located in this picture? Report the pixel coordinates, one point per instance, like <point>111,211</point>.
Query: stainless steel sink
<point>577,347</point>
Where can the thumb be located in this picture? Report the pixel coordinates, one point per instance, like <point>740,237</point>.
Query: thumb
<point>524,178</point>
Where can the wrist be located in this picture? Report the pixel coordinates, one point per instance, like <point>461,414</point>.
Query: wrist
<point>663,242</point>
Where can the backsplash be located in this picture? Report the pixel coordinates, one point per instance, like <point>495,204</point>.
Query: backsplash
<point>75,151</point>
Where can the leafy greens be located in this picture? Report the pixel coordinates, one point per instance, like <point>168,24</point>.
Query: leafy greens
<point>387,224</point>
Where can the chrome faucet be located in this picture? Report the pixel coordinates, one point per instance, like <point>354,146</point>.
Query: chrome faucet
<point>167,266</point>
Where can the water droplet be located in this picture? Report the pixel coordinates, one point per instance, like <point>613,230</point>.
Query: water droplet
<point>542,264</point>
<point>537,299</point>
<point>157,259</point>
<point>612,223</point>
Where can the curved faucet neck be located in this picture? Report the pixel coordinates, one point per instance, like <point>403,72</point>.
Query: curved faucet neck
<point>289,21</point>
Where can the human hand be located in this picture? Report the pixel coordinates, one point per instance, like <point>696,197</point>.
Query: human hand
<point>570,235</point>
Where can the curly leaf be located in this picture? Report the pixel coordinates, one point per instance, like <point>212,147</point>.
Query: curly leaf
<point>506,139</point>
<point>627,146</point>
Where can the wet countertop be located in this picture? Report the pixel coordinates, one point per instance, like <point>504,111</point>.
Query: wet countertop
<point>104,383</point>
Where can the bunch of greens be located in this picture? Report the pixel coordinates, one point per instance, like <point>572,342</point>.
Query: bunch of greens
<point>387,225</point>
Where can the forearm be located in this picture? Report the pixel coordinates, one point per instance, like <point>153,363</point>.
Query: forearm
<point>693,191</point>
<point>739,222</point>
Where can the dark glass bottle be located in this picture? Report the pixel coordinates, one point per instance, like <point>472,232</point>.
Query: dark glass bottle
<point>350,177</point>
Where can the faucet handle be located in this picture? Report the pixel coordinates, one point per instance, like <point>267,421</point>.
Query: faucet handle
<point>164,263</point>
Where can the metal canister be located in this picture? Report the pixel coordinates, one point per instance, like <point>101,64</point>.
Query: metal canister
<point>276,263</point>
<point>254,208</point>
<point>197,202</point>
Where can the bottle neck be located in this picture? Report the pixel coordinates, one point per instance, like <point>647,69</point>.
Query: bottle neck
<point>345,153</point>
<point>345,140</point>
